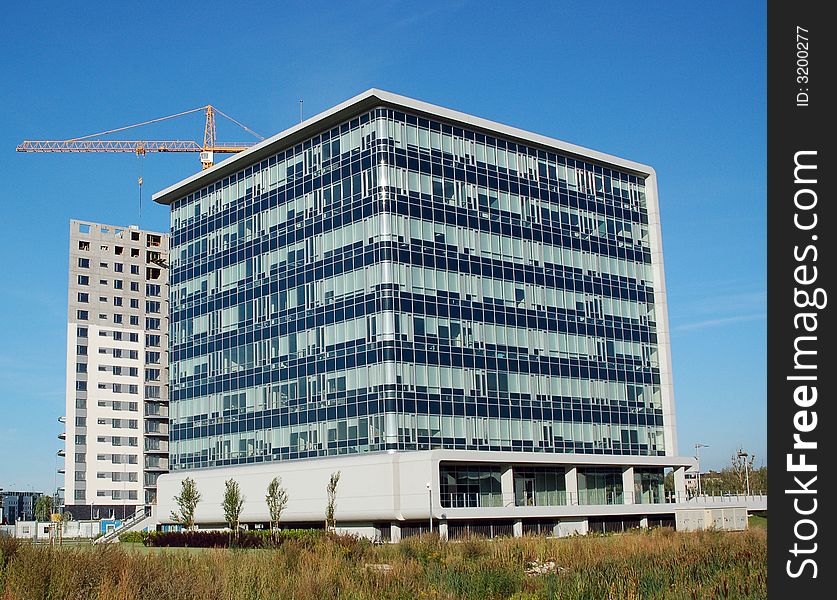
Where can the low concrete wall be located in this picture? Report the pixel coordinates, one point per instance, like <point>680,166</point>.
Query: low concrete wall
<point>39,531</point>
<point>730,518</point>
<point>572,527</point>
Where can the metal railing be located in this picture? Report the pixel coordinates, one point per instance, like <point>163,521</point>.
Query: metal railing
<point>552,498</point>
<point>592,498</point>
<point>486,530</point>
<point>414,531</point>
<point>472,500</point>
<point>718,497</point>
<point>123,527</point>
<point>600,497</point>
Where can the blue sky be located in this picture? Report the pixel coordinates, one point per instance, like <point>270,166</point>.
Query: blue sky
<point>679,86</point>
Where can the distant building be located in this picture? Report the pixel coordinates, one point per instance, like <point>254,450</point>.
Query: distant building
<point>691,481</point>
<point>117,369</point>
<point>19,506</point>
<point>466,319</point>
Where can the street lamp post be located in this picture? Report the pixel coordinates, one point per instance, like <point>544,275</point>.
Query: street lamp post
<point>698,446</point>
<point>56,496</point>
<point>124,491</point>
<point>430,504</point>
<point>744,455</point>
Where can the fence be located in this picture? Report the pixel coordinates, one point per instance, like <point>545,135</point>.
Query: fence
<point>487,530</point>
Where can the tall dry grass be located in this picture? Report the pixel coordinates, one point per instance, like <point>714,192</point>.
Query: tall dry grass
<point>659,564</point>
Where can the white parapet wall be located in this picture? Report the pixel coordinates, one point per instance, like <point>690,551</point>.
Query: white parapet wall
<point>371,488</point>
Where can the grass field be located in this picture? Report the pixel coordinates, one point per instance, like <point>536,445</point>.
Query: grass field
<point>758,521</point>
<point>653,564</point>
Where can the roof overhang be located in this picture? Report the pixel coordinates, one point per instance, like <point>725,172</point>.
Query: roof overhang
<point>365,101</point>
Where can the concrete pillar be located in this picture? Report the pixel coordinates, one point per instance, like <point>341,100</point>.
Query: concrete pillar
<point>391,424</point>
<point>443,529</point>
<point>395,532</point>
<point>643,522</point>
<point>680,484</point>
<point>571,485</point>
<point>628,491</point>
<point>507,485</point>
<point>573,526</point>
<point>517,528</point>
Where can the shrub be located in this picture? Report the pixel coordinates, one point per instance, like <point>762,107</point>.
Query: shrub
<point>133,537</point>
<point>8,548</point>
<point>225,539</point>
<point>300,534</point>
<point>203,539</point>
<point>423,548</point>
<point>472,548</point>
<point>351,546</point>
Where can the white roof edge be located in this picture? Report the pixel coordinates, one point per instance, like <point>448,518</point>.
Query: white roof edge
<point>368,99</point>
<point>508,130</point>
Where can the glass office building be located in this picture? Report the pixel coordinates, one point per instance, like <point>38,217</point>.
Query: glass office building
<point>392,276</point>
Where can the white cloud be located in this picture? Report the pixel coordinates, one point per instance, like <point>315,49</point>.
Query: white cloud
<point>717,322</point>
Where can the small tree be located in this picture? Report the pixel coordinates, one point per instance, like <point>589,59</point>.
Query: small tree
<point>187,502</point>
<point>758,480</point>
<point>668,484</point>
<point>741,464</point>
<point>331,493</point>
<point>733,478</point>
<point>277,500</point>
<point>233,503</point>
<point>43,508</point>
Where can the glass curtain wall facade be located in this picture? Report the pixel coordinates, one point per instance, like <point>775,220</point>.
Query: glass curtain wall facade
<point>539,486</point>
<point>600,485</point>
<point>649,486</point>
<point>402,283</point>
<point>470,486</point>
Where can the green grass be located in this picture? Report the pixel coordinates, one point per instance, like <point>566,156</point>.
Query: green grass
<point>759,521</point>
<point>143,549</point>
<point>658,564</point>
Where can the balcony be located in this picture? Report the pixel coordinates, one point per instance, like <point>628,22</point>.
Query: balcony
<point>157,428</point>
<point>156,446</point>
<point>153,463</point>
<point>157,410</point>
<point>62,436</point>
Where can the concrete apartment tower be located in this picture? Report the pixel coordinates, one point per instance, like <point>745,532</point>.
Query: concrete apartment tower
<point>465,319</point>
<point>117,369</point>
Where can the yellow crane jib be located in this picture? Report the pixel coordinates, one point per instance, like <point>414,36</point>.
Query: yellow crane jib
<point>94,143</point>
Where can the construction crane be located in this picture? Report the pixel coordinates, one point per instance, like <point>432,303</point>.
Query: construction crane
<point>94,143</point>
